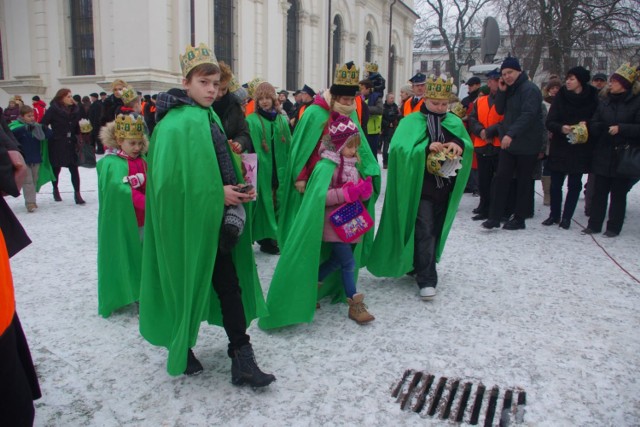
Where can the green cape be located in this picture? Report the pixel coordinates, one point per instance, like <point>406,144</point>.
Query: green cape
<point>278,139</point>
<point>45,171</point>
<point>294,287</point>
<point>119,246</point>
<point>392,252</point>
<point>184,210</point>
<point>305,138</point>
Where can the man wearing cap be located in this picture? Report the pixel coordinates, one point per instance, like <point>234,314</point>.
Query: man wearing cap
<point>283,98</point>
<point>306,98</point>
<point>95,112</point>
<point>418,86</point>
<point>473,84</point>
<point>599,81</point>
<point>521,132</point>
<point>483,126</point>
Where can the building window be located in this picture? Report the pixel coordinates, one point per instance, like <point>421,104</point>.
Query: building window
<point>1,61</point>
<point>436,68</point>
<point>424,66</point>
<point>368,48</point>
<point>223,30</point>
<point>292,45</point>
<point>82,52</point>
<point>436,44</point>
<point>392,68</point>
<point>603,64</point>
<point>337,36</point>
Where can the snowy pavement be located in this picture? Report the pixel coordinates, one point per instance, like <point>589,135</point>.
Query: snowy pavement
<point>546,310</point>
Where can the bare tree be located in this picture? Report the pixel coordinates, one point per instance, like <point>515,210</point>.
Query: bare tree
<point>571,30</point>
<point>453,21</point>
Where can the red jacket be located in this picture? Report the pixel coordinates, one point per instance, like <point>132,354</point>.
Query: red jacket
<point>39,107</point>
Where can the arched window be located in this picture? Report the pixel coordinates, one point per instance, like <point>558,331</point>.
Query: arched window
<point>292,45</point>
<point>392,69</point>
<point>81,46</point>
<point>368,49</point>
<point>223,30</point>
<point>337,42</point>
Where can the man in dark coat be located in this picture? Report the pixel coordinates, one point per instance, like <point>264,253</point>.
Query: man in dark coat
<point>521,133</point>
<point>95,113</point>
<point>390,117</point>
<point>19,385</point>
<point>287,106</point>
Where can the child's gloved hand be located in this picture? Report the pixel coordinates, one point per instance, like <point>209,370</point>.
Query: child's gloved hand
<point>136,181</point>
<point>365,187</point>
<point>350,192</point>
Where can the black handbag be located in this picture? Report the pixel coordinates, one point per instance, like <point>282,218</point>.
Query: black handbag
<point>629,161</point>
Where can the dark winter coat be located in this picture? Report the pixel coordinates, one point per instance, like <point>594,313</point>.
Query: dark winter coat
<point>622,110</point>
<point>29,144</point>
<point>570,108</point>
<point>521,105</point>
<point>390,117</point>
<point>63,121</point>
<point>287,106</point>
<point>11,113</point>
<point>109,107</point>
<point>229,109</point>
<point>149,114</point>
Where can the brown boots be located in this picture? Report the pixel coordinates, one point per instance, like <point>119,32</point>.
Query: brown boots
<point>358,310</point>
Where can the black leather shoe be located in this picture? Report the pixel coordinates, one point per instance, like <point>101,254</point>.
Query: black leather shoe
<point>514,224</point>
<point>589,231</point>
<point>550,221</point>
<point>565,223</point>
<point>476,210</point>
<point>610,233</point>
<point>480,217</point>
<point>491,223</point>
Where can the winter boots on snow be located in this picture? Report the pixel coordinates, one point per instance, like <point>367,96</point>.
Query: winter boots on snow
<point>194,367</point>
<point>358,310</point>
<point>245,370</point>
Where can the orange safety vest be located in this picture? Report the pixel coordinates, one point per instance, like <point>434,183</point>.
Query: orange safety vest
<point>359,108</point>
<point>7,299</point>
<point>408,109</point>
<point>487,117</point>
<point>249,108</point>
<point>301,112</point>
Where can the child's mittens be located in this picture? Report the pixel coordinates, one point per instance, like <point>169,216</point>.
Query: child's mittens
<point>136,180</point>
<point>350,192</point>
<point>366,188</point>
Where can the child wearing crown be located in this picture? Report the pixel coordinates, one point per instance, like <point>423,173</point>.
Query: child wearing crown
<point>130,102</point>
<point>423,193</point>
<point>271,139</point>
<point>121,195</point>
<point>306,142</point>
<point>319,245</point>
<point>195,230</point>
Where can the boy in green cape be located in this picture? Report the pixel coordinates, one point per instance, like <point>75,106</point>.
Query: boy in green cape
<point>423,193</point>
<point>195,232</point>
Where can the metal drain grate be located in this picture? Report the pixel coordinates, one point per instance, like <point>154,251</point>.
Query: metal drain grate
<point>459,400</point>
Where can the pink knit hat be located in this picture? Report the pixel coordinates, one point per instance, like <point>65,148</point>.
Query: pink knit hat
<point>341,129</point>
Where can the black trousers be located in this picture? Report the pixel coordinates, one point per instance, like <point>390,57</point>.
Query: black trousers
<point>227,287</point>
<point>487,168</point>
<point>574,187</point>
<point>75,177</point>
<point>510,165</point>
<point>618,187</point>
<point>18,381</point>
<point>429,223</point>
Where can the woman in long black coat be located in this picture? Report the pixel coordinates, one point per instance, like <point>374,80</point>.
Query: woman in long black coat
<point>63,117</point>
<point>615,124</point>
<point>576,102</point>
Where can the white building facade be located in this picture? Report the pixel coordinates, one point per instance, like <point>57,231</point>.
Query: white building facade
<point>86,44</point>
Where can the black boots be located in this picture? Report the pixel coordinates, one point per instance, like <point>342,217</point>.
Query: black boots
<point>56,195</point>
<point>245,370</point>
<point>269,246</point>
<point>78,198</point>
<point>194,367</point>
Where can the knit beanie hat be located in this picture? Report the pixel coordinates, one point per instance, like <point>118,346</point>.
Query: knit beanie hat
<point>341,128</point>
<point>582,74</point>
<point>511,62</point>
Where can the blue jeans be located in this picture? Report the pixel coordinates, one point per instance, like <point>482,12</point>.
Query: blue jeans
<point>341,257</point>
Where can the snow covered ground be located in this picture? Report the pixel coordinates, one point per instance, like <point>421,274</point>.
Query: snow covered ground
<point>547,310</point>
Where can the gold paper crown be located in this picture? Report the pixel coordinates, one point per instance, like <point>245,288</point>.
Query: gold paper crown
<point>371,67</point>
<point>253,84</point>
<point>128,94</point>
<point>443,163</point>
<point>458,109</point>
<point>196,56</point>
<point>579,134</point>
<point>346,76</point>
<point>234,84</point>
<point>438,88</point>
<point>629,72</point>
<point>129,127</point>
<point>85,126</point>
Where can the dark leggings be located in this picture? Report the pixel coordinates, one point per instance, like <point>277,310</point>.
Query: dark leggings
<point>75,177</point>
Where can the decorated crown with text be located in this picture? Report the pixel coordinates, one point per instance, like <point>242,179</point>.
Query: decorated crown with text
<point>195,56</point>
<point>438,88</point>
<point>346,76</point>
<point>129,127</point>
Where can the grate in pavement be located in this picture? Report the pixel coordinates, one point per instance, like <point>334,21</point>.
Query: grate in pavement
<point>457,400</point>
